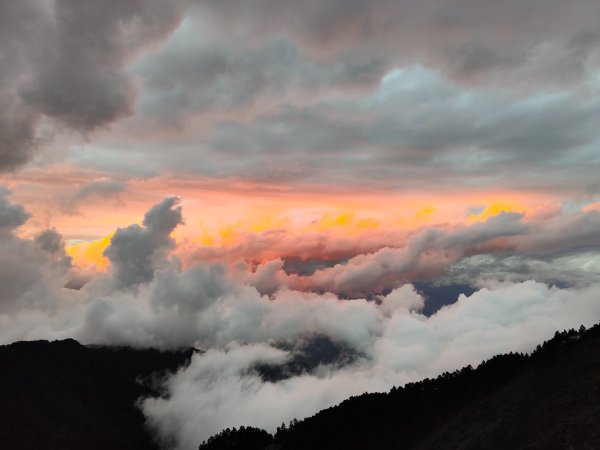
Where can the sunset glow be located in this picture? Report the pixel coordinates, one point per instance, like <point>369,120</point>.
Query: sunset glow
<point>383,220</point>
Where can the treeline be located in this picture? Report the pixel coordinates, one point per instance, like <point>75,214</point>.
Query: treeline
<point>548,399</point>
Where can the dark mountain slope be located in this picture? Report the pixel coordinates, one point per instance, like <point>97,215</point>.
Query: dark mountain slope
<point>548,400</point>
<point>63,395</point>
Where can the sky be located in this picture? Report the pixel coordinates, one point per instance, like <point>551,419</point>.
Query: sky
<point>414,182</point>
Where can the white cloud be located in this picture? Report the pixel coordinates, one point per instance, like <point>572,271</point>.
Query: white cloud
<point>219,389</point>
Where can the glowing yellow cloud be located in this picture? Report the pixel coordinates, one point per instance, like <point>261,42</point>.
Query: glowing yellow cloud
<point>494,209</point>
<point>328,221</point>
<point>90,254</point>
<point>425,212</point>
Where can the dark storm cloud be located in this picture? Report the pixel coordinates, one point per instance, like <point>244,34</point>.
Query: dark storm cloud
<point>230,54</point>
<point>191,75</point>
<point>465,38</point>
<point>66,60</point>
<point>71,62</point>
<point>456,91</point>
<point>22,25</point>
<point>416,123</point>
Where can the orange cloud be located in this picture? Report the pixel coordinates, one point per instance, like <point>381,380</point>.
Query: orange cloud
<point>592,207</point>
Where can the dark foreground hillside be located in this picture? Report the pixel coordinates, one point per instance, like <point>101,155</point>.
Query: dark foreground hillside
<point>548,400</point>
<point>62,395</point>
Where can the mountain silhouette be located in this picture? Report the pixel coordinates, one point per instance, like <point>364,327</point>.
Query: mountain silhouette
<point>63,395</point>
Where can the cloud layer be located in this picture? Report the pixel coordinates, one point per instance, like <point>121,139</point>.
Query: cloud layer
<point>397,94</point>
<point>244,318</point>
<point>222,388</point>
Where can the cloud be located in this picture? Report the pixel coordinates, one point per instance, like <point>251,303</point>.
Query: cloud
<point>376,93</point>
<point>416,127</point>
<point>11,215</point>
<point>221,389</point>
<point>507,245</point>
<point>462,37</point>
<point>66,61</point>
<point>495,86</point>
<point>51,242</point>
<point>98,189</point>
<point>563,233</point>
<point>411,128</point>
<point>31,271</point>
<point>318,247</point>
<point>426,255</point>
<point>192,76</point>
<point>136,252</point>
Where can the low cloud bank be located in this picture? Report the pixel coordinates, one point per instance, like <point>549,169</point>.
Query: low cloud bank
<point>246,319</point>
<point>221,387</point>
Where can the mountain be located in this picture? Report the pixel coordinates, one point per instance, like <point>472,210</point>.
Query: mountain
<point>63,395</point>
<point>547,400</point>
